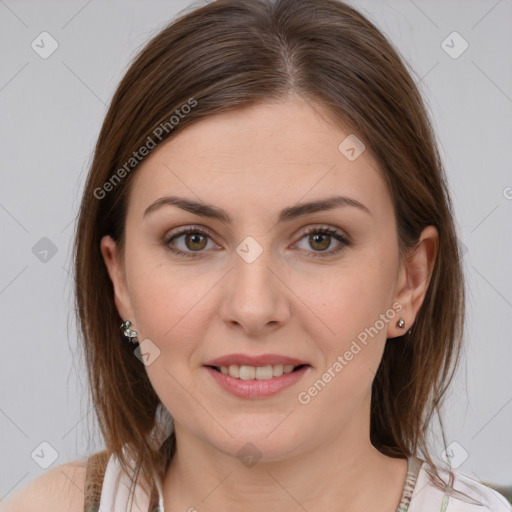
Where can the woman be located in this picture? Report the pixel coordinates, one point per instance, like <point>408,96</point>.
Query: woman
<point>268,278</point>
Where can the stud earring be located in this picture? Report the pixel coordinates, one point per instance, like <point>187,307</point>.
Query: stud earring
<point>130,335</point>
<point>401,324</point>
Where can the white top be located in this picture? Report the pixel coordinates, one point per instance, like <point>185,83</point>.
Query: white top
<point>115,491</point>
<point>467,495</point>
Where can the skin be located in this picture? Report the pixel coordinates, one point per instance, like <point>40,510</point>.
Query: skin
<point>253,162</point>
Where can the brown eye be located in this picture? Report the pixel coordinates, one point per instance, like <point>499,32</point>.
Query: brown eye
<point>195,241</point>
<point>320,241</point>
<point>192,240</point>
<point>321,238</point>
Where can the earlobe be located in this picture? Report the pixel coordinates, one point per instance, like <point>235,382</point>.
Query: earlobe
<point>115,268</point>
<point>414,278</point>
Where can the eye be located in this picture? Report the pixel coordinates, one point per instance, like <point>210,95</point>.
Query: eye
<point>195,239</point>
<point>320,238</point>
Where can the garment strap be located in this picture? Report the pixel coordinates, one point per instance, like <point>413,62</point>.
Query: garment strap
<point>413,469</point>
<point>95,472</point>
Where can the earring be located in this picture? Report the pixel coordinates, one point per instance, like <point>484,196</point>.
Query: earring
<point>130,335</point>
<point>401,325</point>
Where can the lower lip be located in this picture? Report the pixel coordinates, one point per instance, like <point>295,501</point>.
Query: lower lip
<point>256,388</point>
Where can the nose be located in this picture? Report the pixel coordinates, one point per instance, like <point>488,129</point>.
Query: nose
<point>255,294</point>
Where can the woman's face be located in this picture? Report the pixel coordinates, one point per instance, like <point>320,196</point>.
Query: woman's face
<point>254,288</point>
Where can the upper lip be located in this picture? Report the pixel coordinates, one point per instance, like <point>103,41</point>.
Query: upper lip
<point>247,360</point>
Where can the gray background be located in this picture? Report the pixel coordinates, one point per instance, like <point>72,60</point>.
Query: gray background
<point>52,110</point>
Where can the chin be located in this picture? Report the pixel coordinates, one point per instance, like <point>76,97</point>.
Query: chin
<point>253,443</point>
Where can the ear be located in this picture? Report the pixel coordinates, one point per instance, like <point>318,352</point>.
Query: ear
<point>413,279</point>
<point>115,267</point>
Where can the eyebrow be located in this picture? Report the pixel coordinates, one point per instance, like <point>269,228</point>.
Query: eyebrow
<point>286,215</point>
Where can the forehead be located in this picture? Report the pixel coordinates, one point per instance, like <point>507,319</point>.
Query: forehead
<point>265,155</point>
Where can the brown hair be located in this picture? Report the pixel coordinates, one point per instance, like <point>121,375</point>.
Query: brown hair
<point>225,55</point>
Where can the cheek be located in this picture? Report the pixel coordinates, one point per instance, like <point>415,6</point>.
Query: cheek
<point>351,338</point>
<point>171,308</point>
<point>349,300</point>
<point>170,311</point>
<point>353,310</point>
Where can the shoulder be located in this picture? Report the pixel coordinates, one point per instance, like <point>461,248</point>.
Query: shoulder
<point>467,495</point>
<point>481,492</point>
<point>59,489</point>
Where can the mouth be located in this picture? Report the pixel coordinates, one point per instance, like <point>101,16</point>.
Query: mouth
<point>265,377</point>
<point>267,372</point>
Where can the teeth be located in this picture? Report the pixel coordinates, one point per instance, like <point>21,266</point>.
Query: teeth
<point>247,372</point>
<point>256,372</point>
<point>234,370</point>
<point>278,370</point>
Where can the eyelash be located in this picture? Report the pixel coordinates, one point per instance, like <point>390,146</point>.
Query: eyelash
<point>313,230</point>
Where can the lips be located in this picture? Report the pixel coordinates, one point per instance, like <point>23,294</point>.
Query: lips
<point>257,389</point>
<point>256,376</point>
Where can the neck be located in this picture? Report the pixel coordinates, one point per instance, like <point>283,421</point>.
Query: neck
<point>353,474</point>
